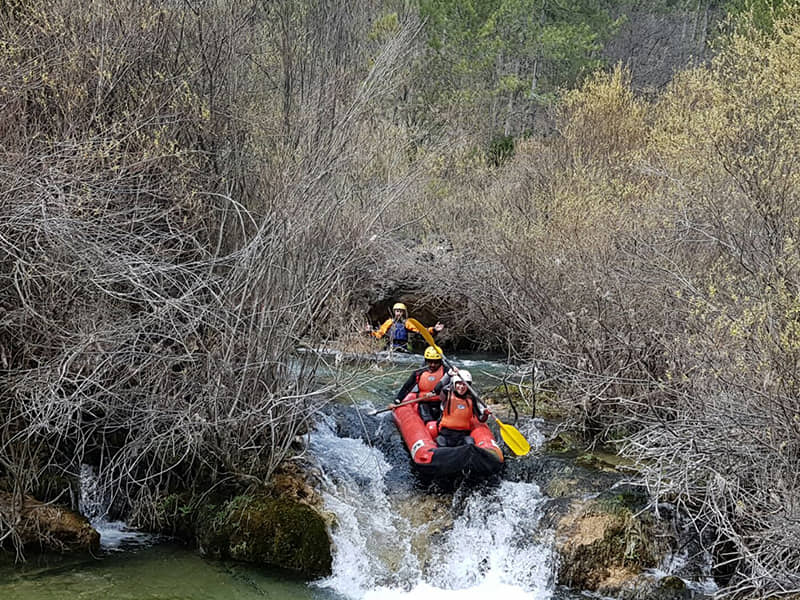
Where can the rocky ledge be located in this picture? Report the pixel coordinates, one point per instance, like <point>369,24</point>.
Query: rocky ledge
<point>45,527</point>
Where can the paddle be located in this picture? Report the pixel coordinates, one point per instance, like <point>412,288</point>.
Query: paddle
<point>393,406</point>
<point>510,434</point>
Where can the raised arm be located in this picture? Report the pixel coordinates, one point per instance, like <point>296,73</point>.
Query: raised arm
<point>381,331</point>
<point>432,330</point>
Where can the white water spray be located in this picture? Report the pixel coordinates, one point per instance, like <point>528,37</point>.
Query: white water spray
<point>369,536</point>
<point>493,546</point>
<point>94,505</point>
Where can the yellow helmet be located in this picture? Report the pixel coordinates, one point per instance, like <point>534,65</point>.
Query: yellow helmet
<point>433,353</point>
<point>400,306</point>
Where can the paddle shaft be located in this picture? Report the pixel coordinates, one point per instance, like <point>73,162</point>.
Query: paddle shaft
<point>405,403</point>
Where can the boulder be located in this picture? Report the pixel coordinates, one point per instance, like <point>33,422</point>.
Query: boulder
<point>47,527</point>
<point>604,546</point>
<point>281,526</point>
<point>274,531</point>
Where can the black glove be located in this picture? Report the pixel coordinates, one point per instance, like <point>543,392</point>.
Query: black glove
<point>484,415</point>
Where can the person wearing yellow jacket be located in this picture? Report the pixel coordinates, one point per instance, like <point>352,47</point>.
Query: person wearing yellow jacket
<point>397,328</point>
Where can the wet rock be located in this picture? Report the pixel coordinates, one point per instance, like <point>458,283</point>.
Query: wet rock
<point>281,526</point>
<point>47,527</point>
<point>603,461</point>
<point>561,442</point>
<point>275,531</point>
<point>648,587</point>
<point>429,515</point>
<point>545,404</point>
<point>560,476</point>
<point>605,543</point>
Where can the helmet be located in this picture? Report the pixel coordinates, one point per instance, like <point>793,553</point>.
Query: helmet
<point>400,306</point>
<point>462,375</point>
<point>433,353</point>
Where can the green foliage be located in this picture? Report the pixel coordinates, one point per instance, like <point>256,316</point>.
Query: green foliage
<point>501,149</point>
<point>604,119</point>
<point>384,27</point>
<point>505,55</point>
<point>763,14</point>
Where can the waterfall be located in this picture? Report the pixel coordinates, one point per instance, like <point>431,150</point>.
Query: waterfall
<point>94,504</point>
<point>491,541</point>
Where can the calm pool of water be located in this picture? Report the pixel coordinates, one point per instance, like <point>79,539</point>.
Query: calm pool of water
<point>162,571</point>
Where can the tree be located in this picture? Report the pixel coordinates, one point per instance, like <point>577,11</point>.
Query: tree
<point>506,58</point>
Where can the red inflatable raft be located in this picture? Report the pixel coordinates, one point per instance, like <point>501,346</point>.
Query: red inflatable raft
<point>481,459</point>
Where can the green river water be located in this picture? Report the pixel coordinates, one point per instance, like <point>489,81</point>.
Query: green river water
<point>162,571</point>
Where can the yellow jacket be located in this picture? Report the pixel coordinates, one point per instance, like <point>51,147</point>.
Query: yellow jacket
<point>381,331</point>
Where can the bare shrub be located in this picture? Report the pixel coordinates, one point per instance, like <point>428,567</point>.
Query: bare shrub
<point>730,456</point>
<point>647,257</point>
<point>177,214</point>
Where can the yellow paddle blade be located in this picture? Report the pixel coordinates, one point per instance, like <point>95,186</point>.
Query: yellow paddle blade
<point>513,438</point>
<point>423,331</point>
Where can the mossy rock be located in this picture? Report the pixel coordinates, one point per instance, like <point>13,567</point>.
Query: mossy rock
<point>562,487</point>
<point>672,584</point>
<point>624,498</point>
<point>48,527</point>
<point>547,406</point>
<point>600,460</point>
<point>603,544</point>
<point>268,530</point>
<point>647,587</point>
<point>281,525</point>
<point>545,402</point>
<point>562,443</point>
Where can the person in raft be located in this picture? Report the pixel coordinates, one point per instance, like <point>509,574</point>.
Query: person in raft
<point>398,328</point>
<point>459,405</point>
<point>422,382</point>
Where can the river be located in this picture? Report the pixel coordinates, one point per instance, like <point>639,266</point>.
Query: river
<point>395,536</point>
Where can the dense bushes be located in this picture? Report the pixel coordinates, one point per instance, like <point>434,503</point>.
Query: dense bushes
<point>179,207</point>
<point>189,190</point>
<point>649,252</point>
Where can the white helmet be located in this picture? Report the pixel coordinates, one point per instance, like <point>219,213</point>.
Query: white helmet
<point>462,375</point>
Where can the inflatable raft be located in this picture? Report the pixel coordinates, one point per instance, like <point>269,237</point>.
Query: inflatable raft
<point>481,459</point>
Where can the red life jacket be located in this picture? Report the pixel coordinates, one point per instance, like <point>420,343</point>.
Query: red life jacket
<point>457,412</point>
<point>427,380</point>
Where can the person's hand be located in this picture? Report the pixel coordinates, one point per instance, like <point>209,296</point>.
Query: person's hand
<point>484,415</point>
<point>438,327</point>
<point>452,372</point>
